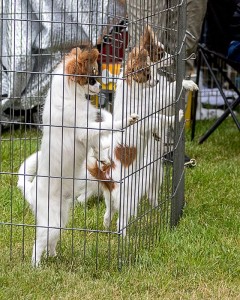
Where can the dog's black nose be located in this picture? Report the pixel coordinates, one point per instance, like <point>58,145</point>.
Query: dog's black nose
<point>100,87</point>
<point>92,81</point>
<point>157,82</point>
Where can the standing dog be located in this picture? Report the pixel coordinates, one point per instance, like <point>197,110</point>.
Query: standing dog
<point>136,88</point>
<point>165,92</point>
<point>131,161</point>
<point>69,130</point>
<point>134,92</point>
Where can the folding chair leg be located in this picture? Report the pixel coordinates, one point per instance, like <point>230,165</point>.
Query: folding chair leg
<point>208,60</point>
<point>219,121</point>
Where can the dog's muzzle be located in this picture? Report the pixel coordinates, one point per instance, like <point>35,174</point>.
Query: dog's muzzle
<point>95,88</point>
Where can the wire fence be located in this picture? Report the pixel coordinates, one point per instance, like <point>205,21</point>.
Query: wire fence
<point>88,174</point>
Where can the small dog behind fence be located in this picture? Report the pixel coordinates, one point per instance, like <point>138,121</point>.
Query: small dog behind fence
<point>66,116</point>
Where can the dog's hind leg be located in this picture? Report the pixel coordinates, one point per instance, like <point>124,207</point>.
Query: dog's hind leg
<point>111,208</point>
<point>127,206</point>
<point>49,223</point>
<point>46,240</point>
<point>154,179</point>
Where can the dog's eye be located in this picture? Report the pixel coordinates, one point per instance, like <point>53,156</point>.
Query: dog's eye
<point>92,81</point>
<point>148,73</point>
<point>161,54</point>
<point>94,71</point>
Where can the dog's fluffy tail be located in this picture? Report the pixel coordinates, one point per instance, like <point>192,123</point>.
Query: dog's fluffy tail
<point>26,174</point>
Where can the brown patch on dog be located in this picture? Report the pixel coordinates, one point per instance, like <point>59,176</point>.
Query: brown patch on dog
<point>148,41</point>
<point>81,62</point>
<point>103,175</point>
<point>137,67</point>
<point>126,155</point>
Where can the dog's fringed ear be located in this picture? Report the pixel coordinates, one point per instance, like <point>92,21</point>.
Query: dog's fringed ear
<point>75,51</point>
<point>137,55</point>
<point>72,66</point>
<point>89,56</point>
<point>150,42</point>
<point>78,61</point>
<point>132,55</point>
<point>148,39</point>
<point>137,62</point>
<point>94,55</point>
<point>143,55</point>
<point>136,58</point>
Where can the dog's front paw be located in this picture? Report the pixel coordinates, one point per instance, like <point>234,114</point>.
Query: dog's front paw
<point>133,119</point>
<point>189,85</point>
<point>102,155</point>
<point>105,163</point>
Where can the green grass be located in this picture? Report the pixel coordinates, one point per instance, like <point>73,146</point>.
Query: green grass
<point>199,259</point>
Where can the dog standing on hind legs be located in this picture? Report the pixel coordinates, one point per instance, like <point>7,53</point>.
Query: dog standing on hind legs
<point>69,130</point>
<point>133,93</point>
<point>128,157</point>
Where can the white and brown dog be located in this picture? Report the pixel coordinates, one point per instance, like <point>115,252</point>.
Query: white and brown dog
<point>135,90</point>
<point>69,130</point>
<point>134,93</point>
<point>131,156</point>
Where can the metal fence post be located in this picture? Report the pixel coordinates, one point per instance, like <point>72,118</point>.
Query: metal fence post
<point>179,142</point>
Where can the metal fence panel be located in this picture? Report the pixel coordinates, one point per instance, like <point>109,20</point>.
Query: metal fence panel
<point>89,164</point>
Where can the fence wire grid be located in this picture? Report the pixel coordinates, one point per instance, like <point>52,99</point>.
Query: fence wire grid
<point>89,119</point>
